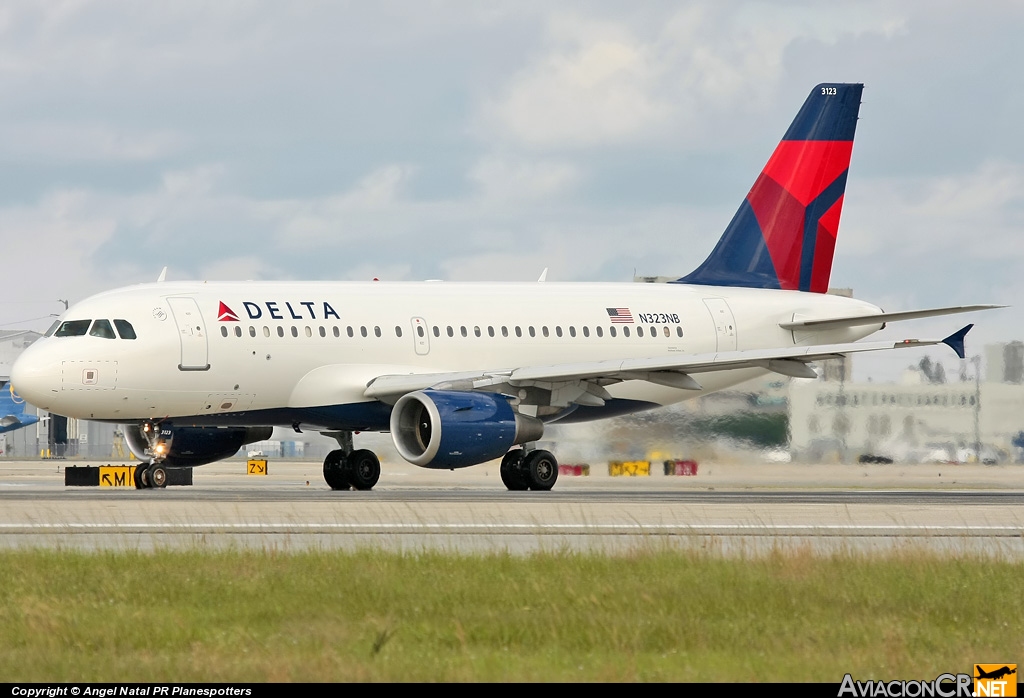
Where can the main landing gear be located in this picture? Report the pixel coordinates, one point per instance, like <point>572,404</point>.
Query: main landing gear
<point>345,468</point>
<point>529,470</point>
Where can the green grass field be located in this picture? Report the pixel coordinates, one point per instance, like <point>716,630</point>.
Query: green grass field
<point>378,616</point>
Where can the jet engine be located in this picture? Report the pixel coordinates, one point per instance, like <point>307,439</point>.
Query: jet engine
<point>187,447</point>
<point>454,429</point>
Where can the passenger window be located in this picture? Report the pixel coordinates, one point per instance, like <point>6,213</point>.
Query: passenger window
<point>558,330</point>
<point>625,331</point>
<point>398,331</point>
<point>323,332</point>
<point>504,331</point>
<point>599,330</point>
<point>419,331</point>
<point>654,332</point>
<point>611,330</point>
<point>266,331</point>
<point>337,332</point>
<point>223,330</point>
<point>309,331</point>
<point>572,331</point>
<point>437,331</point>
<point>238,331</point>
<point>532,333</point>
<point>451,332</point>
<point>464,333</point>
<point>490,331</point>
<point>639,331</point>
<point>544,330</point>
<point>295,331</point>
<point>102,328</point>
<point>667,333</point>
<point>125,329</point>
<point>350,333</point>
<point>376,330</point>
<point>586,331</point>
<point>362,330</point>
<point>679,331</point>
<point>252,331</point>
<point>280,331</point>
<point>73,328</point>
<point>519,331</point>
<point>476,330</point>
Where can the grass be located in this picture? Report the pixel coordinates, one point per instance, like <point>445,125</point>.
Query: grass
<point>380,616</point>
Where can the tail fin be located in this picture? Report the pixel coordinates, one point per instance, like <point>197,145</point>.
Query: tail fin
<point>784,233</point>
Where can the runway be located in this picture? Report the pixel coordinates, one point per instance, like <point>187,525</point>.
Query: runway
<point>733,508</point>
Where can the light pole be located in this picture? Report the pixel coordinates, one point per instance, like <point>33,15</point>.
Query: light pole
<point>976,360</point>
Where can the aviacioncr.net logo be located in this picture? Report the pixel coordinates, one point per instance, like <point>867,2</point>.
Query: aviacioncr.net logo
<point>944,686</point>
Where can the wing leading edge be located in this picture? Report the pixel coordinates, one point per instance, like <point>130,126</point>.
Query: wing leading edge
<point>671,371</point>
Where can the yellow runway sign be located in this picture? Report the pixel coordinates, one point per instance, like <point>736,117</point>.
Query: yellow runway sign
<point>258,467</point>
<point>117,476</point>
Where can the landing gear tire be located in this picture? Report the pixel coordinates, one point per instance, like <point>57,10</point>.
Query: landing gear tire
<point>157,476</point>
<point>139,476</point>
<point>511,471</point>
<point>363,469</point>
<point>540,470</point>
<point>335,470</point>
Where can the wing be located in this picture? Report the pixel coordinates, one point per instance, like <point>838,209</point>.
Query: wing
<point>583,383</point>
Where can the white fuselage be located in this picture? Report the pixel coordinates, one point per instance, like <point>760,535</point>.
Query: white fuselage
<point>304,352</point>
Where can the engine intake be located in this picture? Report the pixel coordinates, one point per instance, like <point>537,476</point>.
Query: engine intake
<point>455,429</point>
<point>192,446</point>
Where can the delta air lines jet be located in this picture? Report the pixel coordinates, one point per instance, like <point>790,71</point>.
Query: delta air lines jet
<point>463,373</point>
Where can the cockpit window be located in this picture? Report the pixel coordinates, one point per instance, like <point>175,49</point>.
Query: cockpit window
<point>102,328</point>
<point>54,326</point>
<point>73,328</point>
<point>125,329</point>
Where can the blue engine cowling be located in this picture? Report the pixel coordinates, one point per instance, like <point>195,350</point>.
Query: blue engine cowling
<point>192,446</point>
<point>453,429</point>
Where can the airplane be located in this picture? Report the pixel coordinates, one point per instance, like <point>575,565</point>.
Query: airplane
<point>465,373</point>
<point>12,410</point>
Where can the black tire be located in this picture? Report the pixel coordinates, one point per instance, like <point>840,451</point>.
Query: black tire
<point>139,476</point>
<point>335,472</point>
<point>541,470</point>
<point>363,469</point>
<point>511,471</point>
<point>157,476</point>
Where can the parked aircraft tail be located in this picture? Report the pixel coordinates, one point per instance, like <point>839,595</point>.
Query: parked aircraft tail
<point>784,233</point>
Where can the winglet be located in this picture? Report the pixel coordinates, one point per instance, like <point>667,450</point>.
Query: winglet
<point>955,341</point>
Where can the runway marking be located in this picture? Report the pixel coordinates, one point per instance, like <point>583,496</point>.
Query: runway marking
<point>626,528</point>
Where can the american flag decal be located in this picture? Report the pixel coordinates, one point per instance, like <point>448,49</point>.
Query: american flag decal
<point>620,315</point>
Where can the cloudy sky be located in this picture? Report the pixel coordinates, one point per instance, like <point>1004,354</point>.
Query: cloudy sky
<point>488,140</point>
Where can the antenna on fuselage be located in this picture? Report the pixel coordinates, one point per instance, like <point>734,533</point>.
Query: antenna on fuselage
<point>543,275</point>
<point>163,276</point>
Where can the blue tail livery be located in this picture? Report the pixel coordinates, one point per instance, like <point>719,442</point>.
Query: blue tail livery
<point>12,410</point>
<point>784,233</point>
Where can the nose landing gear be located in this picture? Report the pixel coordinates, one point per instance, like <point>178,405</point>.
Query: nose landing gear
<point>154,474</point>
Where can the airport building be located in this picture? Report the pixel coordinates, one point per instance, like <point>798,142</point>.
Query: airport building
<point>922,418</point>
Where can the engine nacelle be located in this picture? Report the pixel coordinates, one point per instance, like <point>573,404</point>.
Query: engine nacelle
<point>453,429</point>
<point>192,446</point>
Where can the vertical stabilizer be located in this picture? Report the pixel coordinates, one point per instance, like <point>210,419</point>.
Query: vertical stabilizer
<point>784,233</point>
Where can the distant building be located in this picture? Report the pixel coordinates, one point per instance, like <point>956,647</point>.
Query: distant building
<point>913,420</point>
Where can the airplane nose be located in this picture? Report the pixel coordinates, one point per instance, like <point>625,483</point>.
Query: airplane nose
<point>32,378</point>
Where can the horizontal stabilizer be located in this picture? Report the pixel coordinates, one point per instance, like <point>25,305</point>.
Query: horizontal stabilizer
<point>858,320</point>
